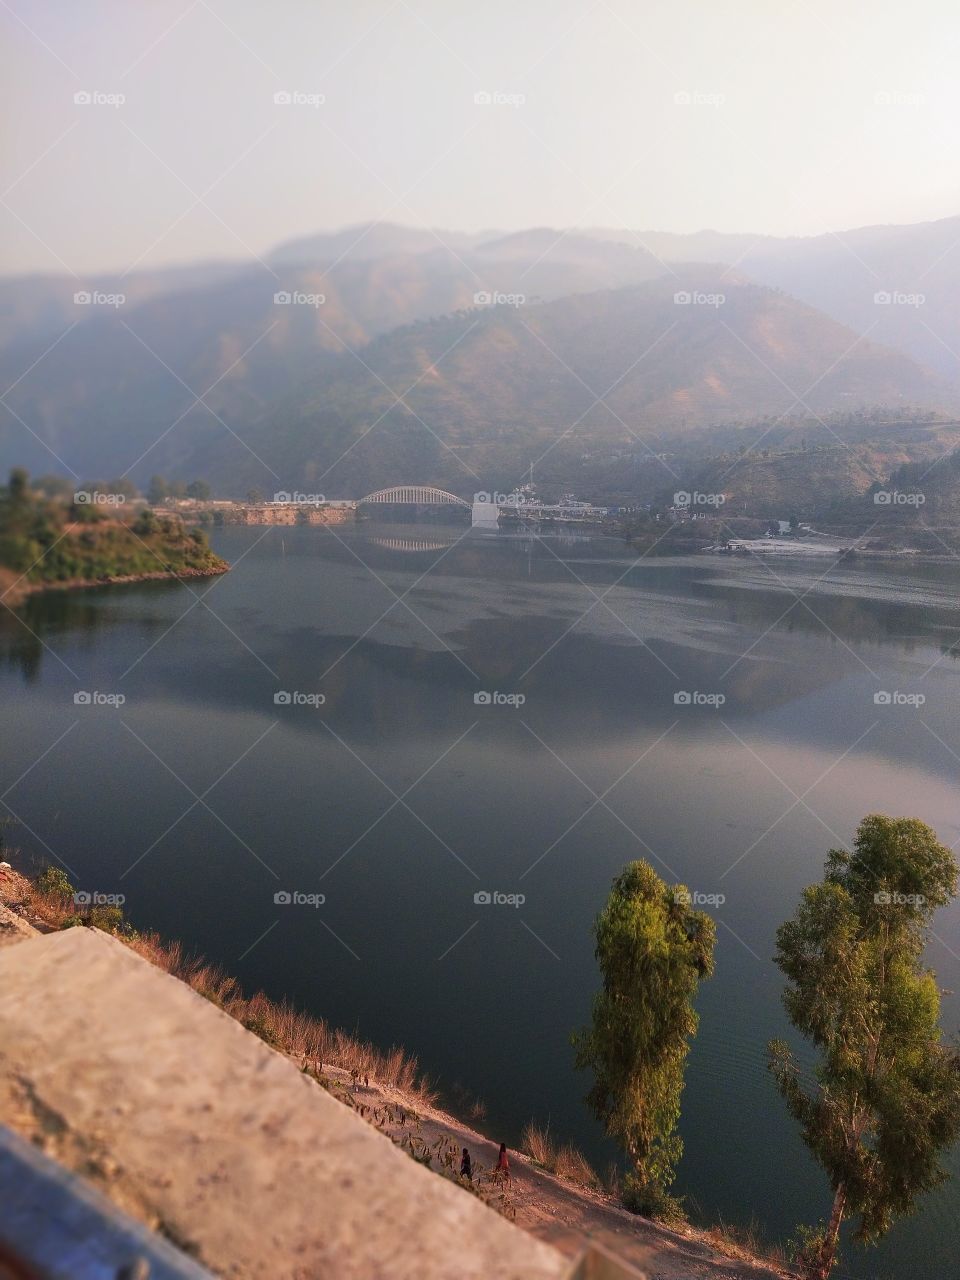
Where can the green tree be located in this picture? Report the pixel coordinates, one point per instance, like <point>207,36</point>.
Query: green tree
<point>157,491</point>
<point>198,489</point>
<point>884,1098</point>
<point>653,950</point>
<point>255,497</point>
<point>18,485</point>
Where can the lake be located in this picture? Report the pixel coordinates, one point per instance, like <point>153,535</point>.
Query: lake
<point>508,717</point>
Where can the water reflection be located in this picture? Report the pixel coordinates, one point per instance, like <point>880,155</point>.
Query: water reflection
<point>746,796</point>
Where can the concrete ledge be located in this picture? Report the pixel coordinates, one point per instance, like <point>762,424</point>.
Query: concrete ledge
<point>193,1124</point>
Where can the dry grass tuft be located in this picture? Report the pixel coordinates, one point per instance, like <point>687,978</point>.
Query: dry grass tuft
<point>565,1160</point>
<point>746,1244</point>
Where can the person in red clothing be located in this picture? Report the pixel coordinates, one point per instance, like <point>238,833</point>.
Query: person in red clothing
<point>502,1171</point>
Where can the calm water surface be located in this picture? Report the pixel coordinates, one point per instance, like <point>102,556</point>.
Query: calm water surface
<point>402,797</point>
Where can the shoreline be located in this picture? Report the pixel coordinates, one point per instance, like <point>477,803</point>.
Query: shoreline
<point>16,594</point>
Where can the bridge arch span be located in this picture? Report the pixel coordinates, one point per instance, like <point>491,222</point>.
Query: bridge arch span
<point>415,495</point>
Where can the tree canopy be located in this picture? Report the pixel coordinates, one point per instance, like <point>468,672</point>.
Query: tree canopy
<point>884,1099</point>
<point>653,951</point>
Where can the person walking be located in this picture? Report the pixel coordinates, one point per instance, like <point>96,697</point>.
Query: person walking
<point>502,1171</point>
<point>466,1168</point>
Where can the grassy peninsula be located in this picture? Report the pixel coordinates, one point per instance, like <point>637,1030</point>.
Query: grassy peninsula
<point>89,539</point>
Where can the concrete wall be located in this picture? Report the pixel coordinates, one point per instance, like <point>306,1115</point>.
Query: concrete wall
<point>195,1126</point>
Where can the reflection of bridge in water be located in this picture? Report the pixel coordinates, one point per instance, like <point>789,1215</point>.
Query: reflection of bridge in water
<point>414,495</point>
<point>413,544</point>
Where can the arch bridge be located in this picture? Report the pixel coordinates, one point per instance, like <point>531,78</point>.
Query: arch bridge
<point>415,495</point>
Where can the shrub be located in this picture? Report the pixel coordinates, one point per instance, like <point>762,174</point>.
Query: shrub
<point>109,919</point>
<point>652,1200</point>
<point>145,524</point>
<point>53,880</point>
<point>805,1246</point>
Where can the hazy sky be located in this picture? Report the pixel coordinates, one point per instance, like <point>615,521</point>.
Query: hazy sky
<point>744,115</point>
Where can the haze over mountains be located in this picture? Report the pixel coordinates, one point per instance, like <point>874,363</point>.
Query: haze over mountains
<point>406,371</point>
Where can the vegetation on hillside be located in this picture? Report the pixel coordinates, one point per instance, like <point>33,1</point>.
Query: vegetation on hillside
<point>55,540</point>
<point>883,1103</point>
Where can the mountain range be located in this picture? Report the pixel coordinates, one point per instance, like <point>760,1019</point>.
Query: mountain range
<point>380,353</point>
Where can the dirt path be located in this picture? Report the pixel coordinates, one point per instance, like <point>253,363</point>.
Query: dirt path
<point>563,1213</point>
